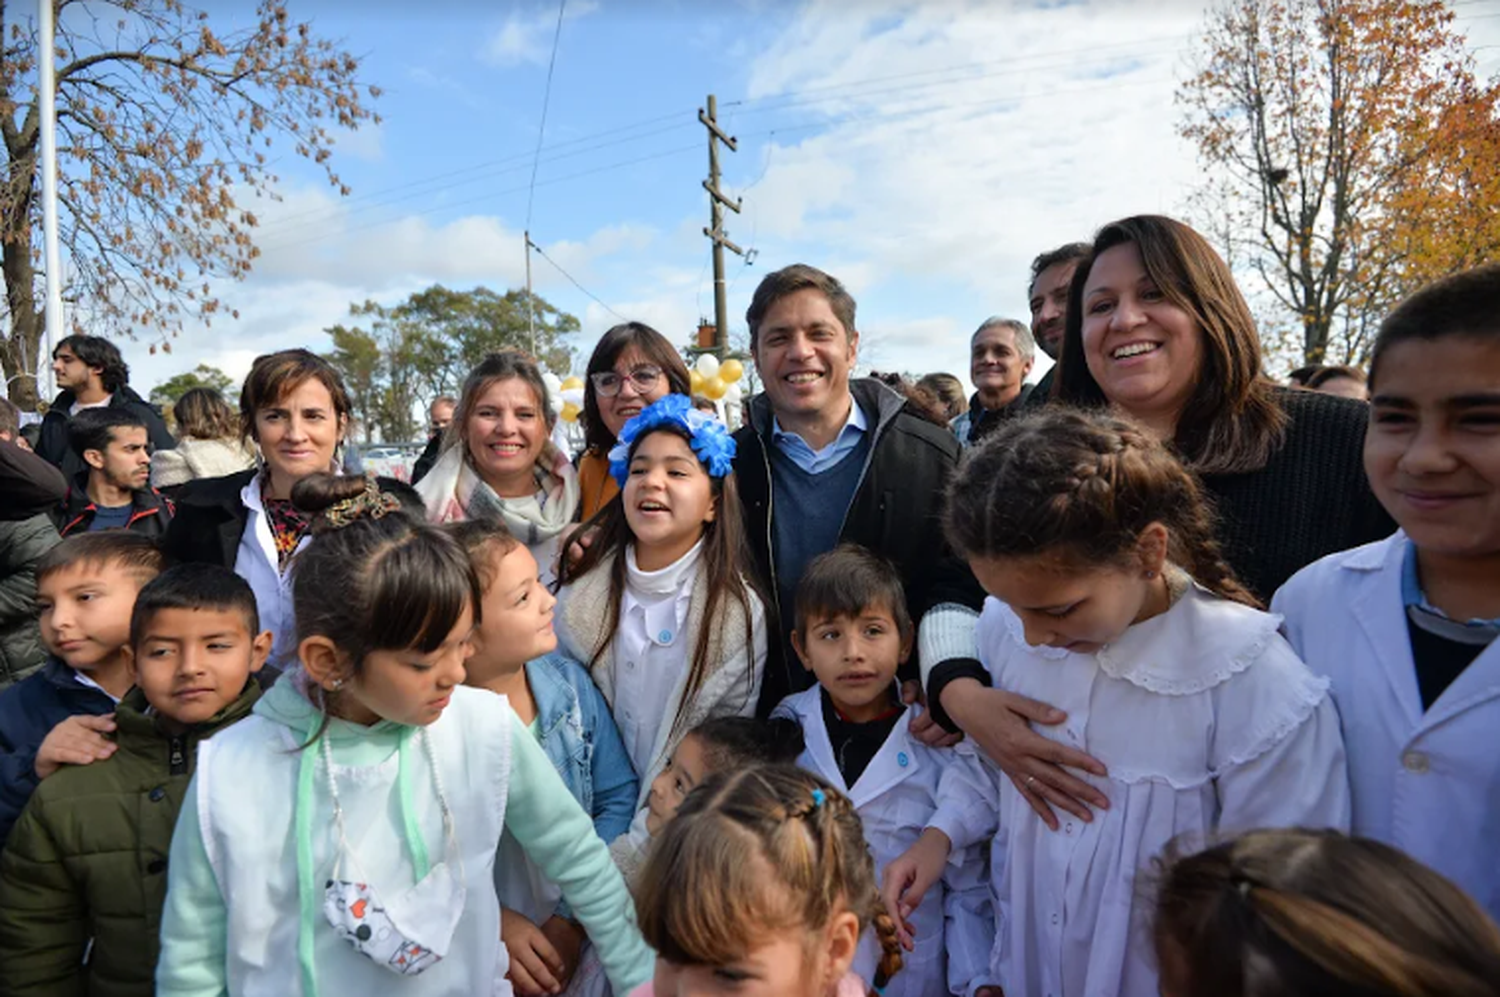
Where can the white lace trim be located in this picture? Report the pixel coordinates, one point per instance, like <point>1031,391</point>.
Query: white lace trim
<point>1220,663</point>
<point>1310,692</point>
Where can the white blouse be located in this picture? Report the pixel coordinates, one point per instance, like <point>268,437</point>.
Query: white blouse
<point>1208,724</point>
<point>649,656</point>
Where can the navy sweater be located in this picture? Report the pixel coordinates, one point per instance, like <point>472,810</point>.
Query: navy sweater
<point>28,712</point>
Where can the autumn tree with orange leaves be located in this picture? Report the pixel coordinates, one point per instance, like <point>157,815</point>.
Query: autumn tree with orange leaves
<point>165,131</point>
<point>1351,156</point>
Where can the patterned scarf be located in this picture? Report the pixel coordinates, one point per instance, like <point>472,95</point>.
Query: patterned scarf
<point>288,526</point>
<point>452,491</point>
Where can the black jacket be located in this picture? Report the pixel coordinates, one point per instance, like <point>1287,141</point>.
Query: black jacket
<point>151,513</point>
<point>428,457</point>
<point>210,521</point>
<point>896,512</point>
<point>53,445</point>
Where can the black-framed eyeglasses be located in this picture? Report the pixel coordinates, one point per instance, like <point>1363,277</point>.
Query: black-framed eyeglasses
<point>608,383</point>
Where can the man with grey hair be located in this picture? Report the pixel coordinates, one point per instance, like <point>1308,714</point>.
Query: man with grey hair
<point>1000,356</point>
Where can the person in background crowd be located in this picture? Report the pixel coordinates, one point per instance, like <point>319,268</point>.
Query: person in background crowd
<point>209,443</point>
<point>948,391</point>
<point>499,460</point>
<point>1001,353</point>
<point>1407,628</point>
<point>1315,914</point>
<point>439,418</point>
<point>294,407</point>
<point>826,460</point>
<point>1348,382</point>
<point>1051,276</point>
<point>115,493</point>
<point>1158,331</point>
<point>28,436</point>
<point>30,489</point>
<point>91,374</point>
<point>1299,377</point>
<point>706,405</point>
<point>632,366</point>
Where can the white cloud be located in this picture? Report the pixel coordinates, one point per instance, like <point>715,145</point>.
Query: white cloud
<point>526,35</point>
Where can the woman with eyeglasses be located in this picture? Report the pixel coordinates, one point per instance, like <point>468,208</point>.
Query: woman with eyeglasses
<point>632,366</point>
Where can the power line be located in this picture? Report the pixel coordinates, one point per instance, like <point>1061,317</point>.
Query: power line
<point>546,99</point>
<point>542,253</point>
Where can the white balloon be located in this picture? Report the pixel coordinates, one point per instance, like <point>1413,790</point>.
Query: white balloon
<point>708,365</point>
<point>573,395</point>
<point>735,393</point>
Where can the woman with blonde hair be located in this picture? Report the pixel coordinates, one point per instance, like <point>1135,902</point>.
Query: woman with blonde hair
<point>208,442</point>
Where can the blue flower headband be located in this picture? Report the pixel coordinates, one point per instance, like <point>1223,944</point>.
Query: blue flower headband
<point>707,435</point>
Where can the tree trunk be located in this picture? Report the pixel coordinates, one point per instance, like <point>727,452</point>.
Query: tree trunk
<point>26,323</point>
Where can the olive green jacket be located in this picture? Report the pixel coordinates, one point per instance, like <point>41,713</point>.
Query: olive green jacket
<point>83,875</point>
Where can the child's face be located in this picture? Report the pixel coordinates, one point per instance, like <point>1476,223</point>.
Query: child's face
<point>1432,452</point>
<point>687,767</point>
<point>85,612</point>
<point>1061,605</point>
<point>785,964</point>
<point>191,663</point>
<point>855,659</point>
<point>517,619</point>
<point>668,496</point>
<point>408,687</point>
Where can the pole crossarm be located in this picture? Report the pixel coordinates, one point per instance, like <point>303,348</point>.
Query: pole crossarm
<point>722,198</point>
<point>712,125</point>
<point>721,239</point>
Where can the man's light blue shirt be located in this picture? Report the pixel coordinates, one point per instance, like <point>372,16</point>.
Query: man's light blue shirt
<point>796,449</point>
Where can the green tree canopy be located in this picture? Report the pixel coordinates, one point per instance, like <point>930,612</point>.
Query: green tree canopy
<point>166,393</point>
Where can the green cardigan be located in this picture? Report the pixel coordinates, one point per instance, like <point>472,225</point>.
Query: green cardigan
<point>87,862</point>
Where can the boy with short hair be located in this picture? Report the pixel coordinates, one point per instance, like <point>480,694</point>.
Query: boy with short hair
<point>86,588</point>
<point>1405,628</point>
<point>115,492</point>
<point>853,632</point>
<point>84,873</point>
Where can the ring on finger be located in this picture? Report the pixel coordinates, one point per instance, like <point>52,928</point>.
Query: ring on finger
<point>1030,781</point>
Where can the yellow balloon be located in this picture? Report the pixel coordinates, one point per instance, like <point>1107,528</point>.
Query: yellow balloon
<point>573,382</point>
<point>715,387</point>
<point>695,381</point>
<point>570,412</point>
<point>731,371</point>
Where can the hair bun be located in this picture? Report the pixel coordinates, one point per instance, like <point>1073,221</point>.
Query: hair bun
<point>337,501</point>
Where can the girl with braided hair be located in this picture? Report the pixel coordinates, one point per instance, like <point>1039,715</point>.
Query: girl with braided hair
<point>761,886</point>
<point>1110,599</point>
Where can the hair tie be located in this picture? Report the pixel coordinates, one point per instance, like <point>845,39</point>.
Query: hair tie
<point>708,437</point>
<point>371,503</point>
<point>819,798</point>
<point>1243,886</point>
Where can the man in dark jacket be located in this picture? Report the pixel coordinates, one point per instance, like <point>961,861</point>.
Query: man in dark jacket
<point>826,460</point>
<point>1051,277</point>
<point>439,415</point>
<point>30,489</point>
<point>92,374</point>
<point>115,492</point>
<point>1001,352</point>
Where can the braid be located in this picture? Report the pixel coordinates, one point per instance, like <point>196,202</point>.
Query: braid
<point>890,947</point>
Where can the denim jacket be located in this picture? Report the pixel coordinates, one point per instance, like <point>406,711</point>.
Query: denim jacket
<point>578,733</point>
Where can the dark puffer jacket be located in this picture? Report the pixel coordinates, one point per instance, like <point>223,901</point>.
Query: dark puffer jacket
<point>87,862</point>
<point>22,544</point>
<point>52,445</point>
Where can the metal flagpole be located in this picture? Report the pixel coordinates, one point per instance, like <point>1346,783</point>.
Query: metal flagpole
<point>53,256</point>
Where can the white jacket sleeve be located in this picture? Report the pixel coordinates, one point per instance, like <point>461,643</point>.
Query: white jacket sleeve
<point>195,920</point>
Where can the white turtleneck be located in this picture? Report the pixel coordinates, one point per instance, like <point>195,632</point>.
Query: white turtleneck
<point>648,657</point>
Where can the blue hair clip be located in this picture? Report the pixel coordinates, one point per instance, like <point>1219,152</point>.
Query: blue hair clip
<point>710,441</point>
<point>819,798</point>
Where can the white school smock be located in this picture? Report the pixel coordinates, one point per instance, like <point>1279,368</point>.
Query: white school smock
<point>255,561</point>
<point>1207,723</point>
<point>1428,782</point>
<point>651,652</point>
<point>906,788</point>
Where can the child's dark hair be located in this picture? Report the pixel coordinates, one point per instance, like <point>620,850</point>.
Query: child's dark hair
<point>845,582</point>
<point>1460,305</point>
<point>374,578</point>
<point>753,852</point>
<point>94,428</point>
<point>194,586</point>
<point>136,554</point>
<point>1299,913</point>
<point>725,555</point>
<point>1083,485</point>
<point>482,539</point>
<point>738,742</point>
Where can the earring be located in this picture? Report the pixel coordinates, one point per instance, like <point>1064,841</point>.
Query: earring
<point>1150,575</point>
<point>336,684</point>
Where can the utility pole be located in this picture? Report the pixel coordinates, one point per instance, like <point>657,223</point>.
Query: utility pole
<point>717,202</point>
<point>530,309</point>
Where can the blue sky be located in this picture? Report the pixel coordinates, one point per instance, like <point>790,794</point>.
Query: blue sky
<point>923,152</point>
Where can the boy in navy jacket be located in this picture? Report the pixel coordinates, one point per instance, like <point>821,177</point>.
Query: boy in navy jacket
<point>86,589</point>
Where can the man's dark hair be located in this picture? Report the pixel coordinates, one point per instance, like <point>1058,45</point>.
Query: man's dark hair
<point>10,418</point>
<point>1073,252</point>
<point>1302,375</point>
<point>134,552</point>
<point>194,586</point>
<point>94,428</point>
<point>847,581</point>
<point>94,351</point>
<point>788,281</point>
<point>1461,305</point>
